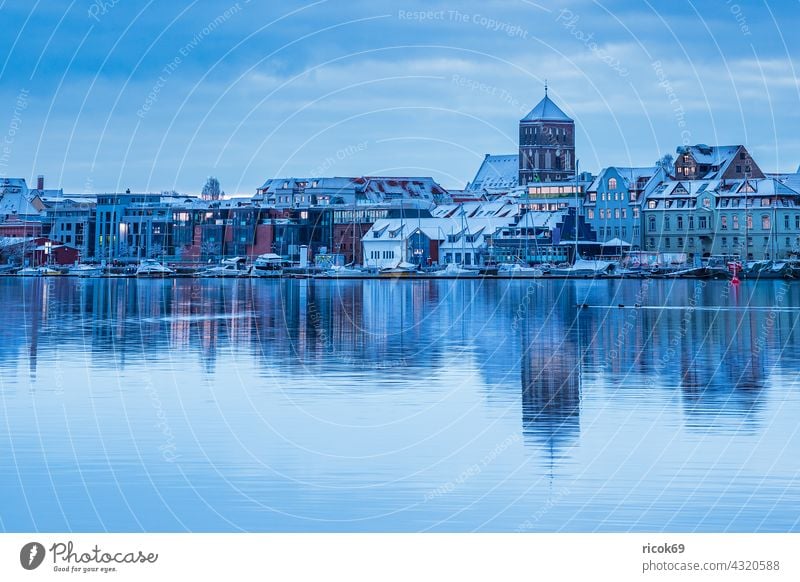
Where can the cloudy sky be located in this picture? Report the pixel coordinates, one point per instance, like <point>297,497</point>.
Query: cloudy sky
<point>104,95</point>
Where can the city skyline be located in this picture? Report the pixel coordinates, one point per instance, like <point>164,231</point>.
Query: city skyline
<point>113,95</point>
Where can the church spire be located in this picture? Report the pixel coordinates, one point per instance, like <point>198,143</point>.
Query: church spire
<point>545,87</point>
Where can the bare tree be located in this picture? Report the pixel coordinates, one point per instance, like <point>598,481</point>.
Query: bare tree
<point>665,163</point>
<point>211,191</point>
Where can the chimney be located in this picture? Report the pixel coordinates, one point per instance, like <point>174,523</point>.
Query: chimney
<point>40,182</point>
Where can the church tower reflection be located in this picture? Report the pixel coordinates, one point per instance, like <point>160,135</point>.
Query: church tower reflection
<point>551,382</point>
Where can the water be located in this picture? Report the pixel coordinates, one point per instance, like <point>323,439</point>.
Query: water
<point>257,405</point>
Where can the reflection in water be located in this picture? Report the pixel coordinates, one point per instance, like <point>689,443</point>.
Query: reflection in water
<point>551,376</point>
<point>353,405</point>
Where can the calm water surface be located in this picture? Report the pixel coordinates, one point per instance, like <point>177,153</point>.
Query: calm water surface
<point>232,405</point>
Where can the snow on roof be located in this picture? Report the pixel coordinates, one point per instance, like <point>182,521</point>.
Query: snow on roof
<point>497,173</point>
<point>546,110</point>
<point>373,189</point>
<point>388,229</point>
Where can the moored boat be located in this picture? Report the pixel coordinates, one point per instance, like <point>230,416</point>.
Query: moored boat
<point>267,265</point>
<point>86,270</point>
<point>152,268</point>
<point>234,267</point>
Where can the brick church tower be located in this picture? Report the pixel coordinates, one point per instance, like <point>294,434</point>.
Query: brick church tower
<point>546,144</point>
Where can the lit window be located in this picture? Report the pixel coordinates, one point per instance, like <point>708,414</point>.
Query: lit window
<point>612,183</point>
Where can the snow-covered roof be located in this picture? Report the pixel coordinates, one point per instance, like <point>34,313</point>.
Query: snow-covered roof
<point>497,173</point>
<point>389,229</point>
<point>368,189</point>
<point>634,177</point>
<point>546,110</point>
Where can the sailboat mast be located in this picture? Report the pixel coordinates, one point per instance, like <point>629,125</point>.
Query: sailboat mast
<point>577,162</point>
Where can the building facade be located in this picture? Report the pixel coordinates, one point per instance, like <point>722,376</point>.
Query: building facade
<point>546,144</point>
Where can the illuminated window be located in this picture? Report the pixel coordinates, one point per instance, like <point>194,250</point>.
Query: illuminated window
<point>612,183</point>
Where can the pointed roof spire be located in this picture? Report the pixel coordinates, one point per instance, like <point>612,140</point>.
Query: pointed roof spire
<point>546,110</point>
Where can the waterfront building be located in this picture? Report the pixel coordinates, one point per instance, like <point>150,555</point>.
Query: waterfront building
<point>546,144</point>
<point>458,234</point>
<point>612,204</point>
<point>701,161</point>
<point>755,219</point>
<point>359,191</point>
<point>70,220</point>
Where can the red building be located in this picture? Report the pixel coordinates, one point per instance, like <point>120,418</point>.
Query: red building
<point>42,250</point>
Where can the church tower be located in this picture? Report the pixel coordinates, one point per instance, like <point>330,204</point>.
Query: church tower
<point>546,144</point>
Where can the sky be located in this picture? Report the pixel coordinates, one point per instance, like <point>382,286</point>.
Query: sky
<point>104,95</point>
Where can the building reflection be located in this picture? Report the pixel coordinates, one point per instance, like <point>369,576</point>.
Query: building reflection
<point>719,361</point>
<point>550,369</point>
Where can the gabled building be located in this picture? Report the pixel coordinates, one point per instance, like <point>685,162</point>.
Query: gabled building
<point>613,202</point>
<point>756,219</point>
<point>498,174</point>
<point>546,144</point>
<point>702,162</point>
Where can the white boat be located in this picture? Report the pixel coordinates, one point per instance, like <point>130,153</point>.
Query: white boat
<point>234,267</point>
<point>517,270</point>
<point>454,270</point>
<point>337,272</point>
<point>401,269</point>
<point>152,268</point>
<point>84,270</point>
<point>583,268</point>
<point>41,271</point>
<point>267,265</point>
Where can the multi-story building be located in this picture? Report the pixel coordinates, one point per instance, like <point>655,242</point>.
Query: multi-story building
<point>715,163</point>
<point>755,219</point>
<point>612,205</point>
<point>546,144</point>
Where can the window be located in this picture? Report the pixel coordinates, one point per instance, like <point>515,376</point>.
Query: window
<point>624,213</point>
<point>680,242</point>
<point>651,242</point>
<point>723,223</point>
<point>680,224</point>
<point>765,222</point>
<point>797,220</point>
<point>703,222</point>
<point>691,222</point>
<point>593,197</point>
<point>590,214</point>
<point>666,223</point>
<point>786,221</point>
<point>616,213</point>
<point>738,169</point>
<point>666,243</point>
<point>764,202</point>
<point>750,221</point>
<point>651,204</point>
<point>706,202</point>
<point>724,241</point>
<point>735,222</point>
<point>651,224</point>
<point>636,213</point>
<point>612,183</point>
